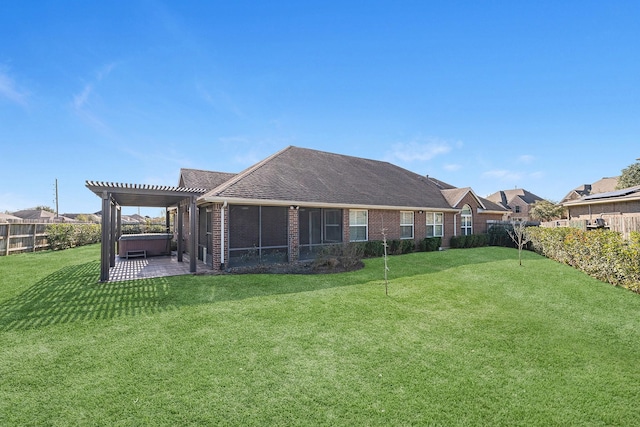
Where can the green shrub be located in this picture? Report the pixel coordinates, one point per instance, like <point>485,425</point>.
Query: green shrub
<point>602,254</point>
<point>339,257</point>
<point>430,244</point>
<point>498,235</point>
<point>65,236</point>
<point>470,241</point>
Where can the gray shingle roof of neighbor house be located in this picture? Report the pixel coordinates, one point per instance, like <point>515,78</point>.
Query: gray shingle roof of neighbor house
<point>8,217</point>
<point>34,214</point>
<point>505,197</point>
<point>299,175</point>
<point>196,178</point>
<point>604,185</point>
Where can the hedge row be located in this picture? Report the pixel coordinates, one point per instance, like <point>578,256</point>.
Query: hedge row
<point>375,248</point>
<point>470,241</point>
<point>602,254</point>
<point>64,236</point>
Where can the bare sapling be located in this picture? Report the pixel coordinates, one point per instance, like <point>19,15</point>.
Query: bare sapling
<point>518,233</point>
<point>386,266</point>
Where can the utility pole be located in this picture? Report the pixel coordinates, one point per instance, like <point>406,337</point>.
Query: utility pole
<point>56,198</point>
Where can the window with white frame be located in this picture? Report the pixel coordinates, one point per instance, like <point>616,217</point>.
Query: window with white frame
<point>406,225</point>
<point>467,220</point>
<point>358,225</point>
<point>435,224</point>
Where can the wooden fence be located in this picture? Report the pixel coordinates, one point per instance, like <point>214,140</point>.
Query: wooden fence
<point>21,237</point>
<point>623,224</point>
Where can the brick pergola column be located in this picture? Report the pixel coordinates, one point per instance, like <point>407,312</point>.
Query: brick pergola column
<point>294,234</point>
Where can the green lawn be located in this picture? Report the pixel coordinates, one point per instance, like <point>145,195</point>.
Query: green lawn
<point>465,337</point>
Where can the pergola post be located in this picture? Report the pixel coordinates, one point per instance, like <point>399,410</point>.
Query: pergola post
<point>106,234</point>
<point>180,232</point>
<point>193,248</point>
<point>112,246</point>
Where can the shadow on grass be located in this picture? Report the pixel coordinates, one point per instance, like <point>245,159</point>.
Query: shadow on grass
<point>74,294</point>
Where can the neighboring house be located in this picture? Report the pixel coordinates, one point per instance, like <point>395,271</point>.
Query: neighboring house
<point>604,185</point>
<point>38,215</point>
<point>517,202</point>
<point>9,218</point>
<point>618,210</point>
<point>291,204</point>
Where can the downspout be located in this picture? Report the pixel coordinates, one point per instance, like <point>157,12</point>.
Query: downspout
<point>455,224</point>
<point>224,206</point>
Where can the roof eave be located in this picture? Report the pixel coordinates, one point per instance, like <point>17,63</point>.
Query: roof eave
<point>270,202</point>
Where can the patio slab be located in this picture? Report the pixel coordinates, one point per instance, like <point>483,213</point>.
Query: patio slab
<point>145,268</point>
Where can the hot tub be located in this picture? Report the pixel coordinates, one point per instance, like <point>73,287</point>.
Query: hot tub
<point>152,244</point>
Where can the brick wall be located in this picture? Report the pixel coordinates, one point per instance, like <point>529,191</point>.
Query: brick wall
<point>216,234</point>
<point>293,235</point>
<point>379,219</point>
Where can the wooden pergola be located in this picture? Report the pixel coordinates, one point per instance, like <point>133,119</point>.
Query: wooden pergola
<point>116,195</point>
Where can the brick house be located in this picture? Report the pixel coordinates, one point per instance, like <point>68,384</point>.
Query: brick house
<point>516,202</point>
<point>290,204</point>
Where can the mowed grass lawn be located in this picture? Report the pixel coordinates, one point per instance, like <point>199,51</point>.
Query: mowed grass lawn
<point>465,337</point>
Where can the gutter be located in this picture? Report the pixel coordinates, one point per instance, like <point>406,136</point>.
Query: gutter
<point>271,202</point>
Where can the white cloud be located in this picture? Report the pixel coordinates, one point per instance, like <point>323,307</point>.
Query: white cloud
<point>10,90</point>
<point>419,151</point>
<point>503,175</point>
<point>526,159</point>
<point>82,100</point>
<point>452,167</point>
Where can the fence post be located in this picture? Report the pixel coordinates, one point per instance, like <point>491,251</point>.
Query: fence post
<point>7,239</point>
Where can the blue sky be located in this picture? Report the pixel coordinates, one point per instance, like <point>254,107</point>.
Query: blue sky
<point>541,95</point>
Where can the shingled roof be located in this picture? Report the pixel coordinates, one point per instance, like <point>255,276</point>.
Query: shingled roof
<point>304,176</point>
<point>506,197</point>
<point>455,195</point>
<point>196,178</point>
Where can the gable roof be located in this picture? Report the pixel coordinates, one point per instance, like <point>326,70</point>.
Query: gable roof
<point>304,176</point>
<point>196,178</point>
<point>506,197</point>
<point>604,185</point>
<point>455,195</point>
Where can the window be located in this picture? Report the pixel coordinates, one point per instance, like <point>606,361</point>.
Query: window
<point>406,225</point>
<point>467,220</point>
<point>358,225</point>
<point>333,225</point>
<point>318,227</point>
<point>517,209</point>
<point>434,224</point>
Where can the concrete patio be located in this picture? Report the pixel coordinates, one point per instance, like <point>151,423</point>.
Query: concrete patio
<point>157,266</point>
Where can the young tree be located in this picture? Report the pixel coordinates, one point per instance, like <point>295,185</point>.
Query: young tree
<point>630,176</point>
<point>544,210</point>
<point>518,233</point>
